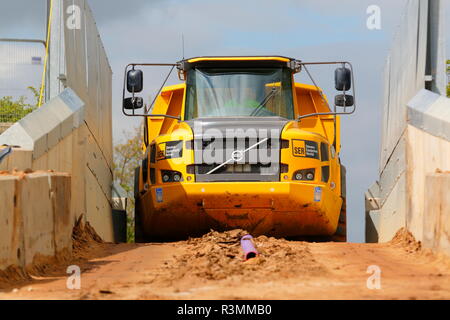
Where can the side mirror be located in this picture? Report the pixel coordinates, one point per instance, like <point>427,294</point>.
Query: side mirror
<point>343,100</point>
<point>133,103</point>
<point>135,79</point>
<point>342,79</point>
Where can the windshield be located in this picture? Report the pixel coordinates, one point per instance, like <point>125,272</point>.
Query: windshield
<point>263,92</point>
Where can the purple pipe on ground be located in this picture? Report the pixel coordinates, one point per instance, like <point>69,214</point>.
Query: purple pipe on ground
<point>248,247</point>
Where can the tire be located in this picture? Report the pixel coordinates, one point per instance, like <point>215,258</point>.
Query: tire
<point>341,231</point>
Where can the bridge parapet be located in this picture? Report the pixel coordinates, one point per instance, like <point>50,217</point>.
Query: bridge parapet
<point>416,124</point>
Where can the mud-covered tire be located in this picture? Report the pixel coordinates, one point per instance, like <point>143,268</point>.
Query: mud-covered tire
<point>341,231</point>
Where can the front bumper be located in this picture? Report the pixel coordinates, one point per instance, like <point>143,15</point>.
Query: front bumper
<point>272,208</point>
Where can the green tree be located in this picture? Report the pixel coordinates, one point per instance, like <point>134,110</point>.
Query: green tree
<point>13,110</point>
<point>127,157</point>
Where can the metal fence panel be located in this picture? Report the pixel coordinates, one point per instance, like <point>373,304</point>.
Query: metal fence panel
<point>21,66</point>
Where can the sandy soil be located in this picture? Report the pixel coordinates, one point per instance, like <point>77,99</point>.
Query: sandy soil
<point>212,267</point>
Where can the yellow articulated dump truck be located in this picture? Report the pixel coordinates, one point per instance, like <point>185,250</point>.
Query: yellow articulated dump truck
<point>239,144</point>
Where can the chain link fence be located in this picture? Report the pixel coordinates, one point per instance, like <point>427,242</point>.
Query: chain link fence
<point>21,67</point>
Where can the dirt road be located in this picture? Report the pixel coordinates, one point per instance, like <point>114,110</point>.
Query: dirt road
<point>212,268</point>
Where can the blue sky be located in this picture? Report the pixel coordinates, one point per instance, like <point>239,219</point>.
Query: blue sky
<point>314,30</point>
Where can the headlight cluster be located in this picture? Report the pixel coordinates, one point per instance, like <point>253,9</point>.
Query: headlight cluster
<point>171,176</point>
<point>304,174</point>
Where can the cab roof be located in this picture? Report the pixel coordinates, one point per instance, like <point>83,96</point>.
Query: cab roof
<point>237,62</point>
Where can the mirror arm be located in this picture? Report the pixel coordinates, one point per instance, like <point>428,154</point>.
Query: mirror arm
<point>160,89</point>
<point>353,90</point>
<point>151,115</point>
<point>125,83</point>
<point>325,114</point>
<point>163,115</point>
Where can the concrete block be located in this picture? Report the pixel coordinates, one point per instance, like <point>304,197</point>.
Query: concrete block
<point>59,158</point>
<point>393,212</point>
<point>42,129</point>
<point>430,112</point>
<point>372,197</point>
<point>37,213</point>
<point>20,159</point>
<point>35,219</point>
<point>426,153</point>
<point>70,111</point>
<point>16,135</point>
<point>372,226</point>
<point>11,227</point>
<point>372,210</point>
<point>436,222</point>
<point>60,196</point>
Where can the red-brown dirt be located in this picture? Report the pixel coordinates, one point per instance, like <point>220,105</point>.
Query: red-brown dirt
<point>212,267</point>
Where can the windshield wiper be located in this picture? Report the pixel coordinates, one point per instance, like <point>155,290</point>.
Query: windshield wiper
<point>264,101</point>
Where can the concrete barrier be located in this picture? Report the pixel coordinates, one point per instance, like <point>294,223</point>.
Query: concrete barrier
<point>415,126</point>
<point>436,226</point>
<point>65,144</point>
<point>11,226</point>
<point>405,194</point>
<point>72,131</point>
<point>372,205</point>
<point>426,154</point>
<point>35,218</point>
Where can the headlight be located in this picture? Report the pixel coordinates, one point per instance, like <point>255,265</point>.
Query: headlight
<point>171,176</point>
<point>304,175</point>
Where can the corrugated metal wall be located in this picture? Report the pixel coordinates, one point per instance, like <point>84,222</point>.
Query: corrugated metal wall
<point>404,74</point>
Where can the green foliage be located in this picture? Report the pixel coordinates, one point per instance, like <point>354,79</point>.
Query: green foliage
<point>448,75</point>
<point>14,110</point>
<point>127,156</point>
